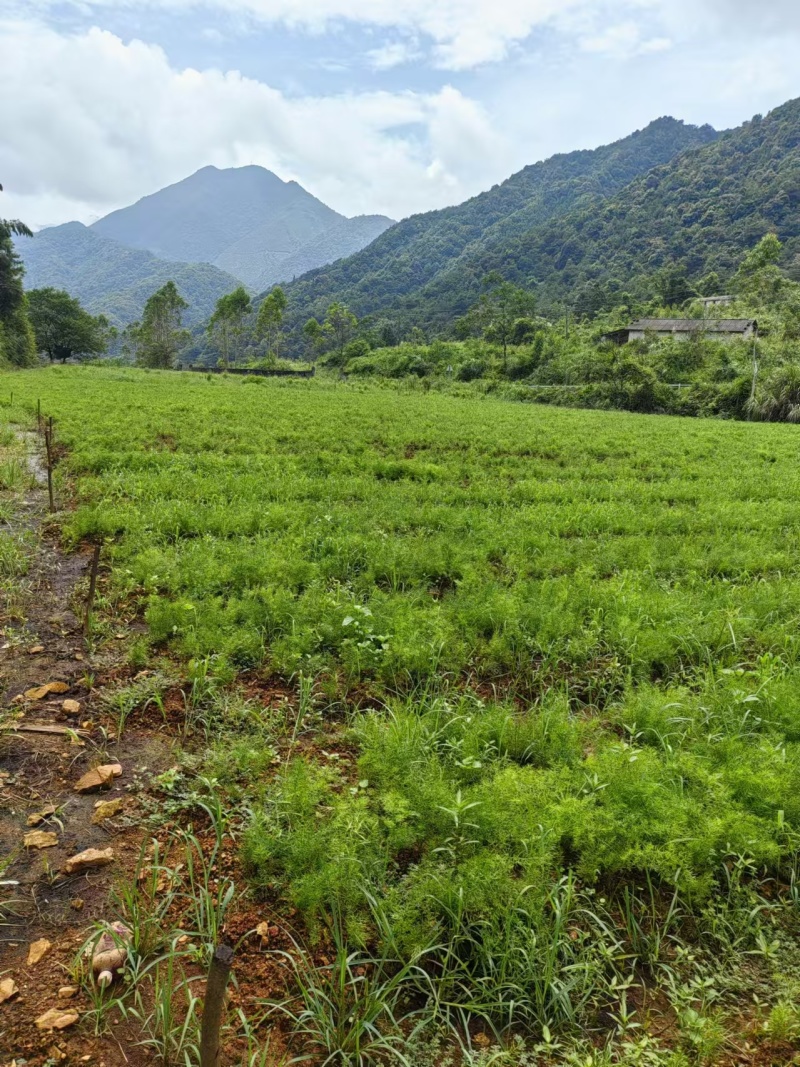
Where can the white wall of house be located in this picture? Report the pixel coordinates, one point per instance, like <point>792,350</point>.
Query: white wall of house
<point>687,335</point>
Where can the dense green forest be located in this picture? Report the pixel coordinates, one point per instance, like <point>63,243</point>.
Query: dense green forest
<point>698,213</point>
<point>17,346</point>
<point>392,275</point>
<point>593,230</point>
<point>114,280</point>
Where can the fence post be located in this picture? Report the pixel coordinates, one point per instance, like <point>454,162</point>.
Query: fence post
<point>48,443</point>
<point>218,974</point>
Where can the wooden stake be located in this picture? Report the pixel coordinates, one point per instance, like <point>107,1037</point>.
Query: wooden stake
<point>48,444</point>
<point>50,489</point>
<point>218,974</point>
<point>87,619</point>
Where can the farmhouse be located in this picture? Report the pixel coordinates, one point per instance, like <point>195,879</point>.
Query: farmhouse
<point>716,301</point>
<point>685,329</point>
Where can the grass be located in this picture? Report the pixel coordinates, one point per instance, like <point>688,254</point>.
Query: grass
<point>545,720</point>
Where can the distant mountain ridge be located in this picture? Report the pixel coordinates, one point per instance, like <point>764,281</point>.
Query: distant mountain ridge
<point>209,233</point>
<point>427,269</point>
<point>245,220</point>
<point>111,279</point>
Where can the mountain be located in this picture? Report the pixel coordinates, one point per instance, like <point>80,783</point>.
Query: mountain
<point>209,233</point>
<point>111,279</point>
<point>698,213</point>
<point>427,269</point>
<point>245,220</point>
<point>199,218</point>
<point>251,260</point>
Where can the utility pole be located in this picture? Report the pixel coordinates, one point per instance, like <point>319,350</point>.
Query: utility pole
<point>755,366</point>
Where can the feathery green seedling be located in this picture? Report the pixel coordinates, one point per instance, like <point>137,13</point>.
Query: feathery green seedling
<point>577,631</point>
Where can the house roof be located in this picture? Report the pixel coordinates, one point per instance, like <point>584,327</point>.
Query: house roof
<point>694,325</point>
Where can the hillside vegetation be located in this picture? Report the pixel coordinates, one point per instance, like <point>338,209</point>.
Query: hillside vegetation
<point>577,363</point>
<point>113,280</point>
<point>426,270</point>
<point>699,213</point>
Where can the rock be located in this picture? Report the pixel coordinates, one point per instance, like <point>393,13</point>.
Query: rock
<point>57,1019</point>
<point>111,952</point>
<point>35,650</point>
<point>263,931</point>
<point>98,778</point>
<point>37,950</point>
<point>107,809</point>
<point>8,989</point>
<point>67,992</point>
<point>90,857</point>
<point>39,816</point>
<point>77,904</point>
<point>41,691</point>
<point>72,707</point>
<point>40,839</point>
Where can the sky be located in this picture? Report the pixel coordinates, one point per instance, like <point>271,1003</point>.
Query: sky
<point>375,106</point>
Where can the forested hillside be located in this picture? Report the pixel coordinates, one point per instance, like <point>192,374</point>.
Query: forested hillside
<point>392,273</point>
<point>113,280</point>
<point>697,214</point>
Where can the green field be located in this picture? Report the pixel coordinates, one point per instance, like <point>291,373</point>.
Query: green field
<point>547,744</point>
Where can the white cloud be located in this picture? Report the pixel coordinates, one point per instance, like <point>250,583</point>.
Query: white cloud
<point>464,33</point>
<point>624,41</point>
<point>394,54</point>
<point>102,122</point>
<point>98,121</point>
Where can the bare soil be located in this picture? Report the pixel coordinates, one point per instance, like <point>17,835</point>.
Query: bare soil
<point>42,642</point>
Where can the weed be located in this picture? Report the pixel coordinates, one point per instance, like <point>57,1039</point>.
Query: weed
<point>168,1012</point>
<point>353,1011</point>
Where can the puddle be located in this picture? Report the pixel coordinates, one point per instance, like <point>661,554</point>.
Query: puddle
<point>33,455</point>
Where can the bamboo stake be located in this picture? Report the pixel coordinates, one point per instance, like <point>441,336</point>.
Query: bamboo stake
<point>87,619</point>
<point>218,974</point>
<point>48,443</point>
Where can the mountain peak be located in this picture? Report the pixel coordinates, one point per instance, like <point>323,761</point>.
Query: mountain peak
<point>198,218</point>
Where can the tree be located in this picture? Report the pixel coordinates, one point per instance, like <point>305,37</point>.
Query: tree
<point>16,334</point>
<point>672,287</point>
<point>270,321</point>
<point>759,277</point>
<point>159,337</point>
<point>501,305</point>
<point>12,295</point>
<point>63,328</point>
<point>227,323</point>
<point>312,331</point>
<point>339,326</point>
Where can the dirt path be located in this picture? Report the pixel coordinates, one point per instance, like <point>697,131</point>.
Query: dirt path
<point>46,744</point>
